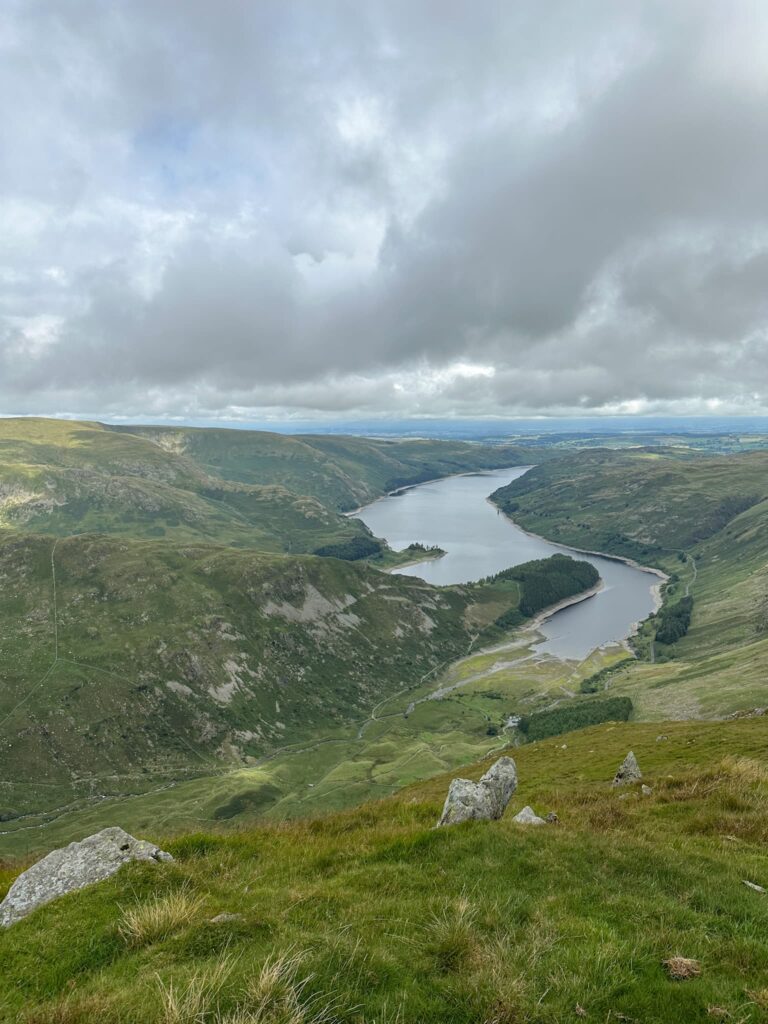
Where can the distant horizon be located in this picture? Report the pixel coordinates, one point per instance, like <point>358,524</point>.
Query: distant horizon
<point>432,425</point>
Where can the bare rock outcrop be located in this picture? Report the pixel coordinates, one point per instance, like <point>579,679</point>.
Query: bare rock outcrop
<point>74,867</point>
<point>485,800</point>
<point>629,771</point>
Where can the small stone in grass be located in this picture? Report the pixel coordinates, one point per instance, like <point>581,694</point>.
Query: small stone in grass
<point>681,968</point>
<point>718,1012</point>
<point>225,917</point>
<point>528,817</point>
<point>753,885</point>
<point>645,790</point>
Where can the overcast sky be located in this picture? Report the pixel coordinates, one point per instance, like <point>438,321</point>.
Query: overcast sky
<point>246,208</point>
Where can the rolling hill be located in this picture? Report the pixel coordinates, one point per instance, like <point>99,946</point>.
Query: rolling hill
<point>161,623</point>
<point>240,488</point>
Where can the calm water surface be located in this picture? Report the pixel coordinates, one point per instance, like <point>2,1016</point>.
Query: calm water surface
<point>479,541</point>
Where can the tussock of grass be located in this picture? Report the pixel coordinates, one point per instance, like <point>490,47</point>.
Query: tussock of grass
<point>682,968</point>
<point>274,996</point>
<point>159,917</point>
<point>451,939</point>
<point>194,1002</point>
<point>277,996</point>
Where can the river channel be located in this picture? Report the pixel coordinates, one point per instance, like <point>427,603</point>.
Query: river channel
<point>454,513</point>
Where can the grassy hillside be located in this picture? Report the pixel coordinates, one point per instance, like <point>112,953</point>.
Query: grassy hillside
<point>240,488</point>
<point>646,504</point>
<point>126,662</point>
<point>155,657</point>
<point>71,478</point>
<point>705,521</point>
<point>372,916</point>
<point>341,472</point>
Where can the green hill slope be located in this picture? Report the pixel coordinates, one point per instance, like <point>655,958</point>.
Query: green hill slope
<point>705,521</point>
<point>124,662</point>
<point>341,472</point>
<point>372,916</point>
<point>646,503</point>
<point>157,657</point>
<point>241,488</point>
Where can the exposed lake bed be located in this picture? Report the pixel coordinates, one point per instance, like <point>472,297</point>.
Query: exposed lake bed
<point>454,513</point>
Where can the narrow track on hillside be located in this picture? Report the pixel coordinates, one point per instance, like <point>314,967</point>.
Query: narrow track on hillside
<point>692,580</point>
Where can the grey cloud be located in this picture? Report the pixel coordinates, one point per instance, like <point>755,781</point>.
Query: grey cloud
<point>223,210</point>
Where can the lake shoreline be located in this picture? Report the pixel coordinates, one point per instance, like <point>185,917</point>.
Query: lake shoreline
<point>455,513</point>
<point>435,480</point>
<point>655,590</point>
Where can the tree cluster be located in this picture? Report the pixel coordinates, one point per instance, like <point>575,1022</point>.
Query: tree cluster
<point>350,550</point>
<point>674,620</point>
<point>574,715</point>
<point>545,581</point>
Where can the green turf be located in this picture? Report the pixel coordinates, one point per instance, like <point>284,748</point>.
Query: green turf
<point>394,921</point>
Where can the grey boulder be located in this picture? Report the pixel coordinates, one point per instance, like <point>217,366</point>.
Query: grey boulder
<point>485,800</point>
<point>629,771</point>
<point>528,817</point>
<point>74,867</point>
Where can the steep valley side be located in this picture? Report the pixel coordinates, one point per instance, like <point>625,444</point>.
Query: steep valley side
<point>704,521</point>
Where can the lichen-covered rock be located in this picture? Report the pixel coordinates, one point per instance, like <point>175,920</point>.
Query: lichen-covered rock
<point>528,817</point>
<point>629,771</point>
<point>74,867</point>
<point>484,800</point>
<point>501,780</point>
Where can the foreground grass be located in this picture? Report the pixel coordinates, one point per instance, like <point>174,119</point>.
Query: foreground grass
<point>373,916</point>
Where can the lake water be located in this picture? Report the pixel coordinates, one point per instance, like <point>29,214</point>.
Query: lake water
<point>454,514</point>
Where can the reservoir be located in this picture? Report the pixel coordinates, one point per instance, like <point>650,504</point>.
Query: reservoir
<point>455,514</point>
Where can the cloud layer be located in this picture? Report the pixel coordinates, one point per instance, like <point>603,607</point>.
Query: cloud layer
<point>442,207</point>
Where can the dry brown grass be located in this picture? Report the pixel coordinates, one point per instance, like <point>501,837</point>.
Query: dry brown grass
<point>73,1009</point>
<point>276,995</point>
<point>747,769</point>
<point>681,968</point>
